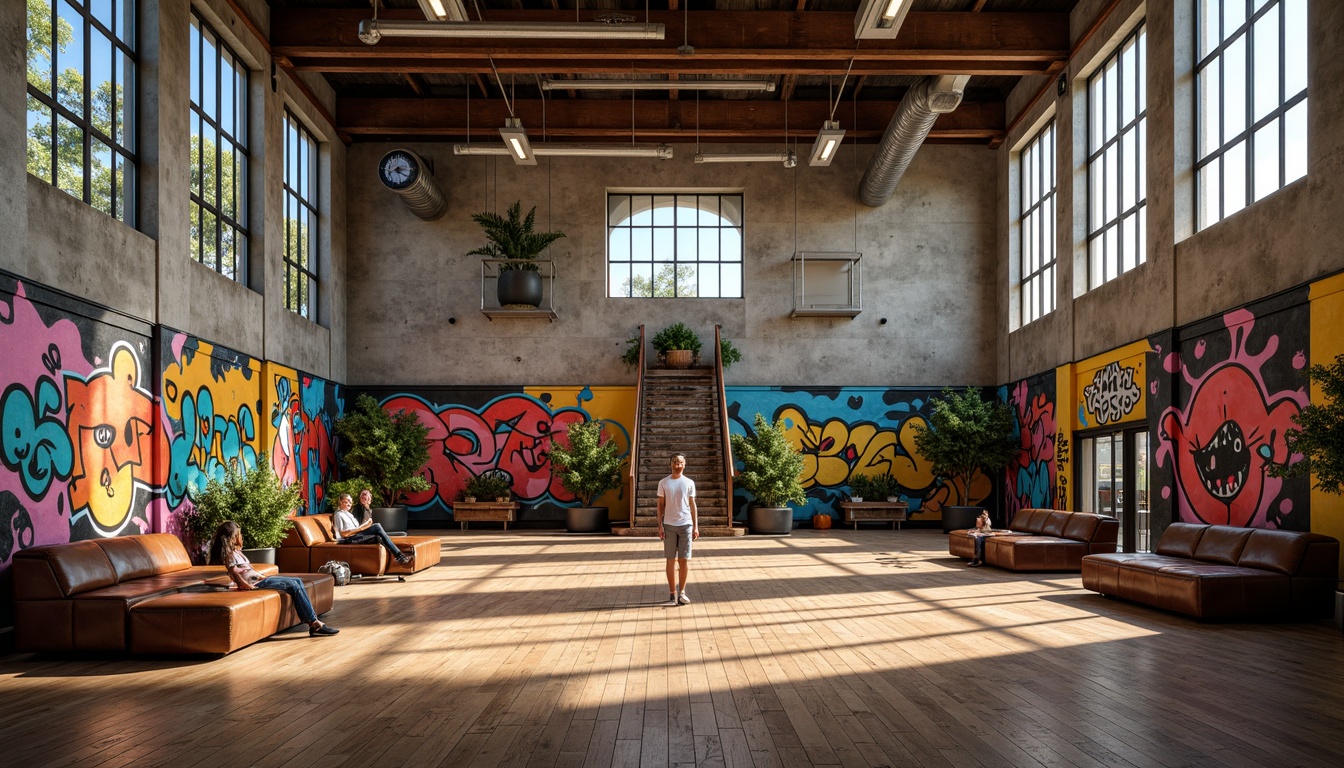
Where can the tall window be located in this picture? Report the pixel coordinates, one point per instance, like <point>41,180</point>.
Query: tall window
<point>1117,174</point>
<point>219,81</point>
<point>1252,84</point>
<point>674,246</point>
<point>1037,171</point>
<point>82,71</point>
<point>300,218</point>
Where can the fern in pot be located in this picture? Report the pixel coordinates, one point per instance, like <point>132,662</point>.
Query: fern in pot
<point>515,239</point>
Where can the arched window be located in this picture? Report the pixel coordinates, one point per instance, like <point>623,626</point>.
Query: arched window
<point>674,245</point>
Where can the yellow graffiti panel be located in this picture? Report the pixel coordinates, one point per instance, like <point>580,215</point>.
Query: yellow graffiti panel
<point>610,404</point>
<point>1327,343</point>
<point>215,401</point>
<point>1111,388</point>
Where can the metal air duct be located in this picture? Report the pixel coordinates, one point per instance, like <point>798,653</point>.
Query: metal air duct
<point>407,174</point>
<point>905,133</point>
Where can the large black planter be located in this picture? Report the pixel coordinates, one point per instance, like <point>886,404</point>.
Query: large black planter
<point>587,520</point>
<point>264,555</point>
<point>958,518</point>
<point>391,518</point>
<point>772,521</point>
<point>519,287</point>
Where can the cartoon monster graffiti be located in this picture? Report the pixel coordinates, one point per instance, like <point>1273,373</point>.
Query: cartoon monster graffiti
<point>1230,429</point>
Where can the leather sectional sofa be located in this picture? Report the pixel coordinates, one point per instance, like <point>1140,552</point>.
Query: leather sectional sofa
<point>311,543</point>
<point>1042,540</point>
<point>1224,572</point>
<point>141,594</point>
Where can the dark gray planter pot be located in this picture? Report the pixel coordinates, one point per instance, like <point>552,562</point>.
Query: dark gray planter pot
<point>264,555</point>
<point>519,286</point>
<point>391,518</point>
<point>587,520</point>
<point>957,518</point>
<point>773,521</point>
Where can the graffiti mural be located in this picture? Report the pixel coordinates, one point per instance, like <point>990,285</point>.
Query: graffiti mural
<point>510,432</point>
<point>1239,386</point>
<point>1113,394</point>
<point>303,412</point>
<point>1031,477</point>
<point>852,430</point>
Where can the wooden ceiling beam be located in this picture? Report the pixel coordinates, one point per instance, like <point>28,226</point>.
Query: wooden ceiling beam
<point>746,65</point>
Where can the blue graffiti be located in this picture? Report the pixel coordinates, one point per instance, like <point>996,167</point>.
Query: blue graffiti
<point>35,443</point>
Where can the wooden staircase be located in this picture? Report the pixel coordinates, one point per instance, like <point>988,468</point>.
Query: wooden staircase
<point>681,411</point>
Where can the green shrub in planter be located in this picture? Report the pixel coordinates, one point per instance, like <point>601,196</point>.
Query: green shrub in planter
<point>771,465</point>
<point>251,497</point>
<point>587,467</point>
<point>874,487</point>
<point>489,485</point>
<point>676,336</point>
<point>966,434</point>
<point>385,450</point>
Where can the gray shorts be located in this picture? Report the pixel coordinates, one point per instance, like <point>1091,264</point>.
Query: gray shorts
<point>677,542</point>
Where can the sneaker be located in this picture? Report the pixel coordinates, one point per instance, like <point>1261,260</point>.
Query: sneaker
<point>672,598</point>
<point>974,564</point>
<point>404,558</point>
<point>682,599</point>
<point>325,629</point>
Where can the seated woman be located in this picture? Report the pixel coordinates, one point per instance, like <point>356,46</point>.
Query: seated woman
<point>983,530</point>
<point>363,510</point>
<point>351,531</point>
<point>226,549</point>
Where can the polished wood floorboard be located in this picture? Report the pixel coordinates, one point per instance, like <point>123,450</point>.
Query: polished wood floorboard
<point>844,648</point>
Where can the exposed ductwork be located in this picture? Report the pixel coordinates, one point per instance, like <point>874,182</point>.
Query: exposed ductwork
<point>407,174</point>
<point>907,130</point>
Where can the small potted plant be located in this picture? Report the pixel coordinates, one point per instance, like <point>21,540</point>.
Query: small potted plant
<point>385,453</point>
<point>967,435</point>
<point>771,468</point>
<point>516,240</point>
<point>728,352</point>
<point>250,496</point>
<point>491,485</point>
<point>678,345</point>
<point>587,467</point>
<point>874,487</point>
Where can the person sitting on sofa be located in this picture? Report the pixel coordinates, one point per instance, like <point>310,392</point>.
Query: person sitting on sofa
<point>983,530</point>
<point>351,531</point>
<point>226,549</point>
<point>363,510</point>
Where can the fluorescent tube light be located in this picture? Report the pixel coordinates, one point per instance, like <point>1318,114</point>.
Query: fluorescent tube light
<point>373,30</point>
<point>515,140</point>
<point>443,10</point>
<point>658,85</point>
<point>828,141</point>
<point>789,159</point>
<point>660,151</point>
<point>880,18</point>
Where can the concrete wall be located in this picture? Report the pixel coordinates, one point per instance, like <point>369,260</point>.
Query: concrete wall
<point>927,266</point>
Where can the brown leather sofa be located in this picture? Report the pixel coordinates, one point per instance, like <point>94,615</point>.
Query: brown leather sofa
<point>1224,572</point>
<point>142,594</point>
<point>1042,540</point>
<point>312,542</point>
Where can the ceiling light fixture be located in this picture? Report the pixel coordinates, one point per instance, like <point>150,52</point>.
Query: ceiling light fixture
<point>789,159</point>
<point>660,151</point>
<point>828,141</point>
<point>516,143</point>
<point>373,30</point>
<point>444,10</point>
<point>658,85</point>
<point>880,18</point>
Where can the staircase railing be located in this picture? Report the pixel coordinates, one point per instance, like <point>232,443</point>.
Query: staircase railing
<point>634,430</point>
<point>728,471</point>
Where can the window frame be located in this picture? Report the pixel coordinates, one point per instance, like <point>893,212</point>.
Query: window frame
<point>1037,287</point>
<point>128,211</point>
<point>239,144</point>
<point>1246,139</point>
<point>1098,265</point>
<point>296,134</point>
<point>677,228</point>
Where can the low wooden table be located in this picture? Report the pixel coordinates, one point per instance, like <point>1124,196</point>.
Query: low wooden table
<point>485,512</point>
<point>894,511</point>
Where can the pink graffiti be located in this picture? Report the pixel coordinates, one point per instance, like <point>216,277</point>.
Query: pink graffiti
<point>1031,477</point>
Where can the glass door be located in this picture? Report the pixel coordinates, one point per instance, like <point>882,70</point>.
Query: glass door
<point>1114,481</point>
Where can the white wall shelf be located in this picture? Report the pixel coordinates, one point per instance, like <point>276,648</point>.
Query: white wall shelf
<point>490,296</point>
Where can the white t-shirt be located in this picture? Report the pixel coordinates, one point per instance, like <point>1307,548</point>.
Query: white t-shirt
<point>677,494</point>
<point>342,520</point>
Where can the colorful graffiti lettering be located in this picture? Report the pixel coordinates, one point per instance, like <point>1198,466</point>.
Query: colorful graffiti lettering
<point>1062,460</point>
<point>1031,476</point>
<point>302,448</point>
<point>1231,428</point>
<point>35,445</point>
<point>1112,394</point>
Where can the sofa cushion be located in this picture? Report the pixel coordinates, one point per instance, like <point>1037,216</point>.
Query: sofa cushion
<point>309,530</point>
<point>1222,544</point>
<point>61,570</point>
<point>426,552</point>
<point>1180,539</point>
<point>1080,527</point>
<point>1029,520</point>
<point>1034,553</point>
<point>1278,551</point>
<point>1053,523</point>
<point>135,557</point>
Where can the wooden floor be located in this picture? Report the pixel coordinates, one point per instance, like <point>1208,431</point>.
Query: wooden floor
<point>865,648</point>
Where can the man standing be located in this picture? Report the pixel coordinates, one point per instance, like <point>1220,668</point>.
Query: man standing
<point>678,526</point>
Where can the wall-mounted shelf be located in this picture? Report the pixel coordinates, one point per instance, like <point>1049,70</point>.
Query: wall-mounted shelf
<point>827,284</point>
<point>490,297</point>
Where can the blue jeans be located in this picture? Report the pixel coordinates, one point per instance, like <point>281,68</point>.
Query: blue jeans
<point>374,533</point>
<point>293,587</point>
<point>979,548</point>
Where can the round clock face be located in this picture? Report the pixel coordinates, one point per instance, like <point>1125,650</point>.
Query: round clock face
<point>398,169</point>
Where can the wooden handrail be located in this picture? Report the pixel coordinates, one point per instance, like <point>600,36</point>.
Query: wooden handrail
<point>634,430</point>
<point>728,471</point>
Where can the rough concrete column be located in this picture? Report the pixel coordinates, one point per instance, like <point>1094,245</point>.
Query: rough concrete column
<point>13,135</point>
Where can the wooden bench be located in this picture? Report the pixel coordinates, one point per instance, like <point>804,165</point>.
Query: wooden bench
<point>894,511</point>
<point>485,512</point>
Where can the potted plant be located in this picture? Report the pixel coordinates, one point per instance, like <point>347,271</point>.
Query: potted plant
<point>515,239</point>
<point>728,352</point>
<point>771,468</point>
<point>631,355</point>
<point>385,453</point>
<point>966,435</point>
<point>678,345</point>
<point>1319,436</point>
<point>875,487</point>
<point>587,467</point>
<point>250,496</point>
<point>490,485</point>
